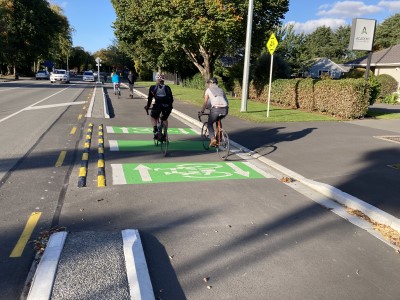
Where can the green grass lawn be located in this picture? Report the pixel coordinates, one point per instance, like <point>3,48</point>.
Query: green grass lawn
<point>257,112</point>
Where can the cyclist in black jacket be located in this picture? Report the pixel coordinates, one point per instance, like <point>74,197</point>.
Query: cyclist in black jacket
<point>162,106</point>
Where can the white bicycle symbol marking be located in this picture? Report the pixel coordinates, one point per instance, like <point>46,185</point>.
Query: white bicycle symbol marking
<point>196,171</point>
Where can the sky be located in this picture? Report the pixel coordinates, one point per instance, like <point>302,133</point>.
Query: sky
<point>92,19</point>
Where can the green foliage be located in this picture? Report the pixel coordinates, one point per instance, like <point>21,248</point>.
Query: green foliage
<point>375,89</point>
<point>388,86</point>
<point>387,33</point>
<point>29,30</point>
<point>357,73</point>
<point>345,98</point>
<point>391,99</point>
<point>160,36</point>
<point>196,82</point>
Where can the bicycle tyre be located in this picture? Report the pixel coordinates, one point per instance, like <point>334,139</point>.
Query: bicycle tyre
<point>205,137</point>
<point>164,142</point>
<point>224,146</point>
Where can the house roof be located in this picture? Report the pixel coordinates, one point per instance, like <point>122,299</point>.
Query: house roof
<point>386,57</point>
<point>324,61</point>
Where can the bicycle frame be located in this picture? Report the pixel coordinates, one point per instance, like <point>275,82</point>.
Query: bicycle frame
<point>161,135</point>
<point>222,146</point>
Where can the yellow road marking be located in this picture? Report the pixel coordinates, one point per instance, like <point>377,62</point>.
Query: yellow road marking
<point>73,130</point>
<point>80,116</point>
<point>61,158</point>
<point>26,234</point>
<point>101,181</point>
<point>82,172</point>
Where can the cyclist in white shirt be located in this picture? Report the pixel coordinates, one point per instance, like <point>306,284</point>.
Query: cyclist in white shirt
<point>215,99</point>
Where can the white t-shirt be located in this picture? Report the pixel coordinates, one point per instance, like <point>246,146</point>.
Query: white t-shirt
<point>216,96</point>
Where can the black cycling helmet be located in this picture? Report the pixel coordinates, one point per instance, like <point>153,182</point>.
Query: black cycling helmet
<point>213,80</point>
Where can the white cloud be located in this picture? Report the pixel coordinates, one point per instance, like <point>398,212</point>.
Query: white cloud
<point>390,5</point>
<point>311,25</point>
<point>349,9</point>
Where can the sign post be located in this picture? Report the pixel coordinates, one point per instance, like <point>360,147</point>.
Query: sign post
<point>271,45</point>
<point>98,64</point>
<point>362,38</point>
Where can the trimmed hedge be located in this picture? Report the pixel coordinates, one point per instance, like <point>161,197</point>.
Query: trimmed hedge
<point>345,98</point>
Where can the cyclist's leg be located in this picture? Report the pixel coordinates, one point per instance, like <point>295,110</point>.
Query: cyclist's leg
<point>212,118</point>
<point>154,116</point>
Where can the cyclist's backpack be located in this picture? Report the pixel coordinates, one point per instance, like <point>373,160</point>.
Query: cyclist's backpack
<point>167,99</point>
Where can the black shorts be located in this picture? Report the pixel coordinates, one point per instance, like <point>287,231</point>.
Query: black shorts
<point>161,109</point>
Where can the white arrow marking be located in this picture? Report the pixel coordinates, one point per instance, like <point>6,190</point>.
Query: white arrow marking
<point>144,172</point>
<point>124,130</point>
<point>238,170</point>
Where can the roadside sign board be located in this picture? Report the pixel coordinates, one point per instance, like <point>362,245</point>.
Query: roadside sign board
<point>136,173</point>
<point>272,44</point>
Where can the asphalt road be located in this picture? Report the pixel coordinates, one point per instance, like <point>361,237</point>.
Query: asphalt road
<point>253,237</point>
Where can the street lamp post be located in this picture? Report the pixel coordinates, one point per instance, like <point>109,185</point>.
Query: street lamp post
<point>245,84</point>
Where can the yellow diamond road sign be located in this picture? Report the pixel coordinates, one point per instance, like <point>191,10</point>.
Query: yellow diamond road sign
<point>272,44</point>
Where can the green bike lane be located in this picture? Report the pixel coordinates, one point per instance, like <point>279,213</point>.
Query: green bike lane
<point>221,230</point>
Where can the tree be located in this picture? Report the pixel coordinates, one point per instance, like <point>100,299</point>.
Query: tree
<point>202,30</point>
<point>387,33</point>
<point>27,29</point>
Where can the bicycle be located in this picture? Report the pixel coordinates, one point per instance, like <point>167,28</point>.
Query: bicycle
<point>161,136</point>
<point>118,88</point>
<point>222,146</point>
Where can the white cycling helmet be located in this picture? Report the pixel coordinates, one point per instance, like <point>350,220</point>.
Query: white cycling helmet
<point>160,76</point>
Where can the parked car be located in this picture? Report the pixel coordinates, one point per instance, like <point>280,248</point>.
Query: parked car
<point>88,76</point>
<point>59,75</point>
<point>42,74</point>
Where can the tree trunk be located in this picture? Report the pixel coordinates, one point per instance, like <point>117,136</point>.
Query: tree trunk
<point>205,68</point>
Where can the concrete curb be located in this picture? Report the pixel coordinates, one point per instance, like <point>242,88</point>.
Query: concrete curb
<point>43,280</point>
<point>136,268</point>
<point>90,108</point>
<point>329,191</point>
<point>140,287</point>
<point>106,110</point>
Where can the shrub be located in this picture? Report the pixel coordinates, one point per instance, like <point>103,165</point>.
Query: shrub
<point>388,86</point>
<point>196,82</point>
<point>375,88</point>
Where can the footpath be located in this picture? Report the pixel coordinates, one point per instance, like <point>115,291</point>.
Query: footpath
<point>355,163</point>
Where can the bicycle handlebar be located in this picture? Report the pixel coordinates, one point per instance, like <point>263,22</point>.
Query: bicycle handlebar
<point>199,114</point>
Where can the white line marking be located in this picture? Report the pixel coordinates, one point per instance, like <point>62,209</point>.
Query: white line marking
<point>258,170</point>
<point>118,174</point>
<point>42,283</point>
<point>90,108</point>
<point>113,145</point>
<point>110,129</point>
<point>54,105</point>
<point>40,101</point>
<point>136,268</point>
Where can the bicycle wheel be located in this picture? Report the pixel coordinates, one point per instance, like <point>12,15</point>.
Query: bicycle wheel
<point>205,137</point>
<point>223,147</point>
<point>164,143</point>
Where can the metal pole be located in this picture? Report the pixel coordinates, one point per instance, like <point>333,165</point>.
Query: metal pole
<point>368,65</point>
<point>270,83</point>
<point>245,84</point>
